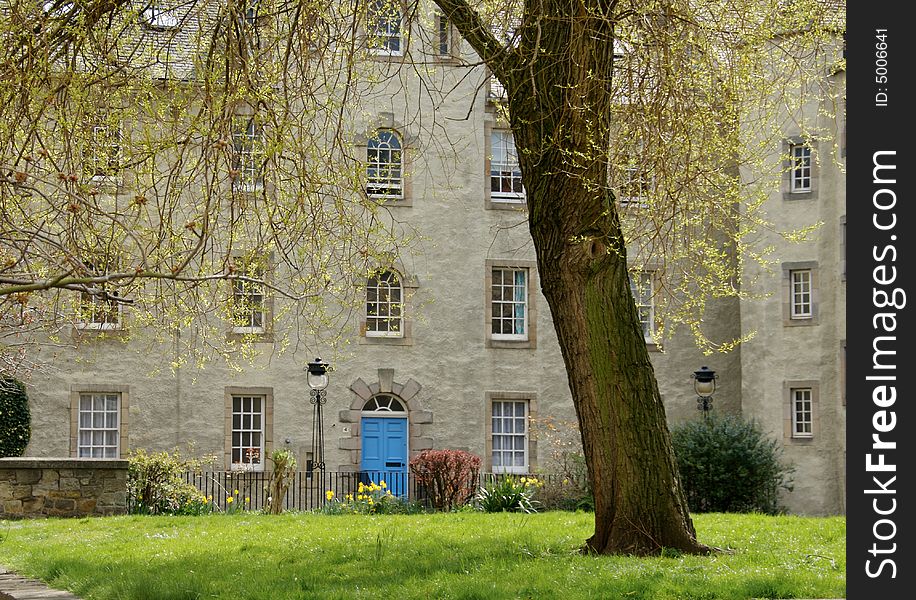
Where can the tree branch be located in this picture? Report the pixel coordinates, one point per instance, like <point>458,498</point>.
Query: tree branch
<point>467,21</point>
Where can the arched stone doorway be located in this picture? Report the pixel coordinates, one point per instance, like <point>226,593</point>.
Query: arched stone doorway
<point>377,405</point>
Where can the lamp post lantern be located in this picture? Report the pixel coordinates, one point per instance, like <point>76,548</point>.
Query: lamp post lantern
<point>317,377</point>
<point>704,384</point>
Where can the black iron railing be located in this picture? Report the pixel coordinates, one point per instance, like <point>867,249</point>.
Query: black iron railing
<point>250,490</point>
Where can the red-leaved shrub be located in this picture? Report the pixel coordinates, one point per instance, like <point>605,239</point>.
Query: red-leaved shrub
<point>450,477</point>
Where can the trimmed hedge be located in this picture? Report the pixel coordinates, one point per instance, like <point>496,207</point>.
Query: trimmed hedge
<point>15,418</point>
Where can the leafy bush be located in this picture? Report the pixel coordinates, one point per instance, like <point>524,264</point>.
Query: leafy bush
<point>156,485</point>
<point>728,464</point>
<point>449,477</point>
<point>371,499</point>
<point>15,419</point>
<point>566,486</point>
<point>506,493</point>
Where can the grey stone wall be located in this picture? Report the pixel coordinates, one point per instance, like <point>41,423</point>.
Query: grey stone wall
<point>62,487</point>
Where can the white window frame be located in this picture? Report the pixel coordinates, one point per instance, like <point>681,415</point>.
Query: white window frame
<point>500,301</point>
<point>800,171</point>
<point>384,32</point>
<point>385,165</point>
<point>801,289</point>
<point>635,180</point>
<point>642,286</point>
<point>94,421</point>
<point>97,310</point>
<point>249,299</point>
<point>505,170</point>
<point>255,460</point>
<point>802,412</point>
<point>499,426</point>
<point>392,317</point>
<point>159,18</point>
<point>247,153</point>
<point>105,140</point>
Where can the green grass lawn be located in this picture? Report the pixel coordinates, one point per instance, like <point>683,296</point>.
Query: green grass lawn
<point>459,555</point>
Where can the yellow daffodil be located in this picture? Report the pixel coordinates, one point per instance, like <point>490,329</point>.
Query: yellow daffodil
<point>229,499</point>
<point>329,494</point>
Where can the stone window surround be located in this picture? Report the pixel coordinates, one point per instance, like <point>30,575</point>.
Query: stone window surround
<point>409,286</point>
<point>123,418</point>
<point>268,394</point>
<point>786,293</point>
<point>787,163</point>
<point>489,397</point>
<point>242,110</point>
<point>531,266</point>
<point>788,408</point>
<point>419,420</point>
<point>454,41</point>
<point>267,333</point>
<point>489,202</point>
<point>409,141</point>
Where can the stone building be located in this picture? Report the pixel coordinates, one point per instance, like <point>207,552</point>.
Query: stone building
<point>455,347</point>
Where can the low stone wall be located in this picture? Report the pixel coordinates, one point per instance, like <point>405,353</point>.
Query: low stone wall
<point>62,487</point>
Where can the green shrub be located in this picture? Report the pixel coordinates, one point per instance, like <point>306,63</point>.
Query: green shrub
<point>728,464</point>
<point>156,485</point>
<point>449,477</point>
<point>15,419</point>
<point>506,493</point>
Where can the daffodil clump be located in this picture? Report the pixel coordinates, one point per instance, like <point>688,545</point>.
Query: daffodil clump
<point>507,493</point>
<point>236,502</point>
<point>371,498</point>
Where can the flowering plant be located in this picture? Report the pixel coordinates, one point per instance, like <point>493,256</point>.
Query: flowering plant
<point>506,493</point>
<point>371,498</point>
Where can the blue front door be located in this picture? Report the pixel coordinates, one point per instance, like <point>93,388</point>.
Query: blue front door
<point>385,452</point>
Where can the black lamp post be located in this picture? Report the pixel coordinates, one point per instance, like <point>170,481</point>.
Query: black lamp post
<point>318,382</point>
<point>704,383</point>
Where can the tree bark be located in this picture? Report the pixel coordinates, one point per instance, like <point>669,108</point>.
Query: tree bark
<point>559,99</point>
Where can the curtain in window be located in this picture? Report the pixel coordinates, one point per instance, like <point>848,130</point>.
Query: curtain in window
<point>519,314</point>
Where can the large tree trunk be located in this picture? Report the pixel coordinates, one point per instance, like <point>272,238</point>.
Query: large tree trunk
<point>640,507</point>
<point>560,107</point>
<point>560,111</point>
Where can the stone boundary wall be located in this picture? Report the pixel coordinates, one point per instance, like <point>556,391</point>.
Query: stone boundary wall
<point>62,487</point>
